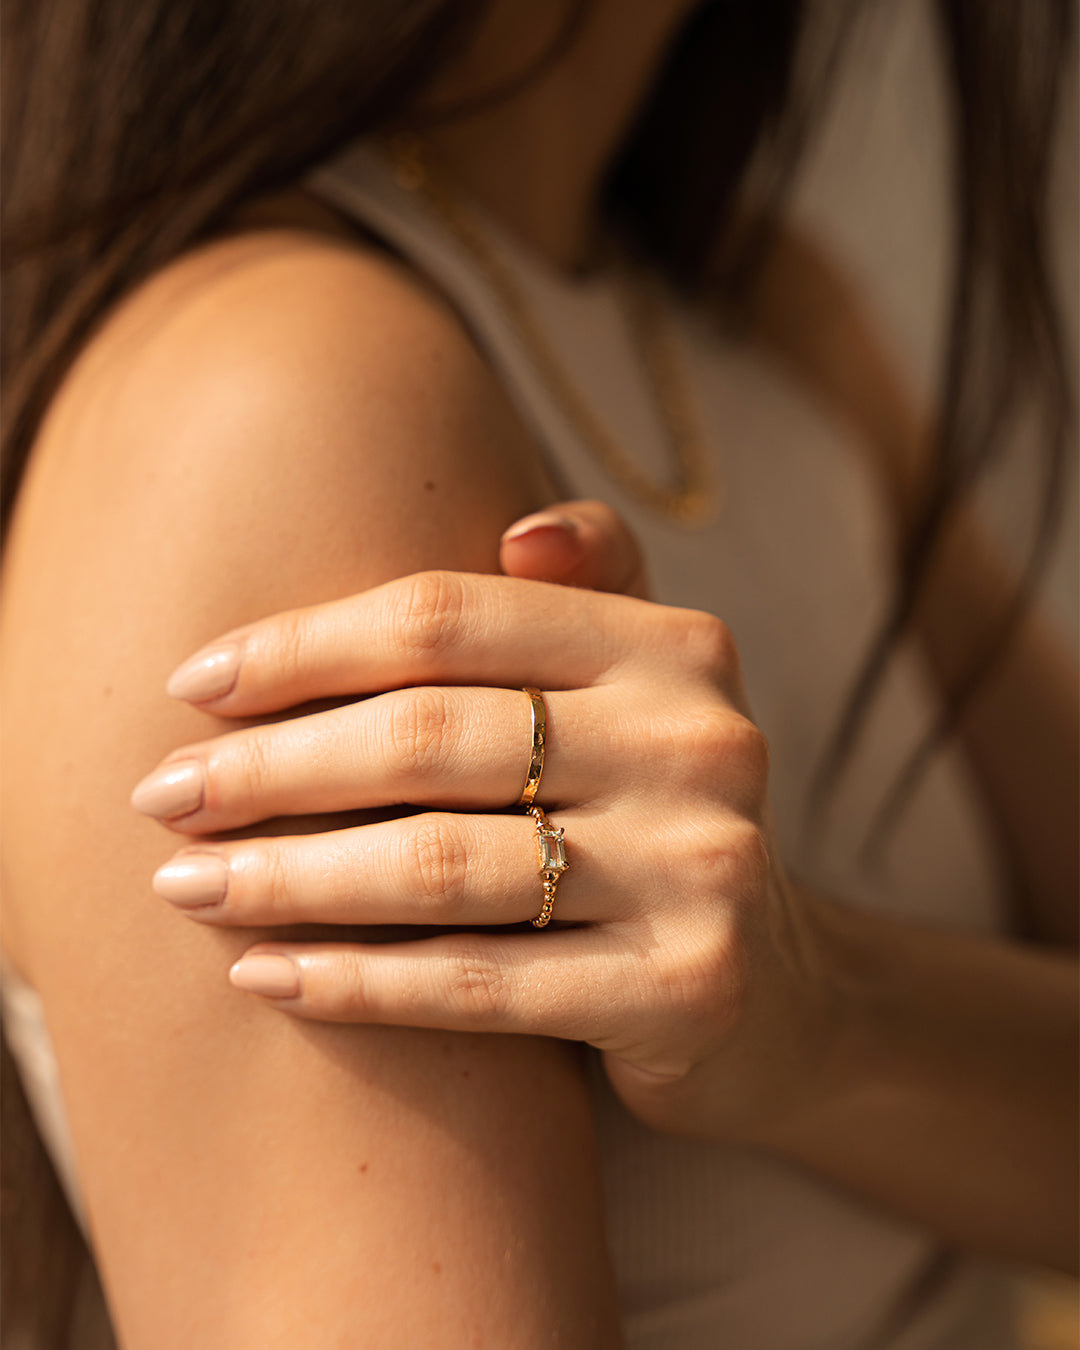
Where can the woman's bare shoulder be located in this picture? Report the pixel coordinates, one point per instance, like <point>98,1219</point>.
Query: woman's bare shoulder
<point>273,419</point>
<point>283,353</point>
<point>271,422</point>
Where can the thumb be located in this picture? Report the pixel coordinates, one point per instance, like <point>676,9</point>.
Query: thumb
<point>585,544</point>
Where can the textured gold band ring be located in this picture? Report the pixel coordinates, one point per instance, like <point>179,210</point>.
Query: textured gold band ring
<point>539,737</point>
<point>551,856</point>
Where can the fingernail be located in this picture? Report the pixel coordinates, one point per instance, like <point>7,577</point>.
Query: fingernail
<point>271,976</point>
<point>542,520</point>
<point>205,675</point>
<point>193,880</point>
<point>175,790</point>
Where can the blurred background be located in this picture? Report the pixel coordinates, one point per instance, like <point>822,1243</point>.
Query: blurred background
<point>875,189</point>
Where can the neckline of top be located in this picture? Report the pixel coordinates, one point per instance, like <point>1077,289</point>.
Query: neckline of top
<point>370,159</point>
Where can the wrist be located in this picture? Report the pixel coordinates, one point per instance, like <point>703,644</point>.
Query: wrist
<point>842,1048</point>
<point>787,1053</point>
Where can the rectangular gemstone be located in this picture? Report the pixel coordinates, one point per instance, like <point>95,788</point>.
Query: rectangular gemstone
<point>552,853</point>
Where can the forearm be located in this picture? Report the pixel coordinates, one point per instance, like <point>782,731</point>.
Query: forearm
<point>952,1093</point>
<point>1019,731</point>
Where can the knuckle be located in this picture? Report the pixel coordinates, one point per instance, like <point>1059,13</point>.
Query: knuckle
<point>701,740</point>
<point>718,975</point>
<point>688,974</point>
<point>344,991</point>
<point>702,973</point>
<point>266,876</point>
<point>706,644</point>
<point>747,751</point>
<point>719,746</point>
<point>416,732</point>
<point>477,985</point>
<point>289,643</point>
<point>751,859</point>
<point>730,861</point>
<point>431,609</point>
<point>440,863</point>
<point>256,762</point>
<point>705,862</point>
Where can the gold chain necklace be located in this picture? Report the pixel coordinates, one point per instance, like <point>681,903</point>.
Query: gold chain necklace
<point>691,499</point>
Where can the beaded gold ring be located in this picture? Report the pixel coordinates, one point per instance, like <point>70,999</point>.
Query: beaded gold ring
<point>551,857</point>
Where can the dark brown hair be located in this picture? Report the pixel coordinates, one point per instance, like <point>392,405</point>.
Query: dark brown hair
<point>133,128</point>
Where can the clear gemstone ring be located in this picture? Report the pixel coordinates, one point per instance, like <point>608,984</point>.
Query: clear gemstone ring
<point>551,857</point>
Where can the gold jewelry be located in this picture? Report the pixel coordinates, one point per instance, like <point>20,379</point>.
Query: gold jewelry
<point>691,499</point>
<point>539,739</point>
<point>551,855</point>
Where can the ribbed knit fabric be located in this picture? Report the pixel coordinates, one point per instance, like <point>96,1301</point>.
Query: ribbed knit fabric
<point>718,1247</point>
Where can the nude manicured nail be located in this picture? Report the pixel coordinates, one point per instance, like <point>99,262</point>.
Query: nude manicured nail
<point>206,675</point>
<point>193,880</point>
<point>174,790</point>
<point>271,976</point>
<point>542,520</point>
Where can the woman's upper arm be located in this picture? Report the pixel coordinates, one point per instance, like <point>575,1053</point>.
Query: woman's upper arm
<point>273,423</point>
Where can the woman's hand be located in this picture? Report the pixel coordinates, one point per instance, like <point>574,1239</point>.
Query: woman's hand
<point>678,948</point>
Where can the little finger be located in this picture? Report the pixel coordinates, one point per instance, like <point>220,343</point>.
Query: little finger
<point>573,984</point>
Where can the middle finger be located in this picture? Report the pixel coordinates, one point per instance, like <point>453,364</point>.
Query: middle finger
<point>444,747</point>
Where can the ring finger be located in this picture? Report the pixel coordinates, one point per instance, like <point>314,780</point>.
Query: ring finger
<point>445,747</point>
<point>426,869</point>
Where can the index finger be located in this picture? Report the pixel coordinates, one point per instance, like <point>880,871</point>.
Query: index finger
<point>428,628</point>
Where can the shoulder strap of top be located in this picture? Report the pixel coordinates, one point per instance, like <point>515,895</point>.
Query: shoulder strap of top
<point>586,321</point>
<point>361,184</point>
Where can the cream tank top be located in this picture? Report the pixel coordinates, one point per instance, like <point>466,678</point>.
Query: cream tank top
<point>718,1247</point>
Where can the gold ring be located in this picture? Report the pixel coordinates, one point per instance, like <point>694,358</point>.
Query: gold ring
<point>551,855</point>
<point>536,758</point>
